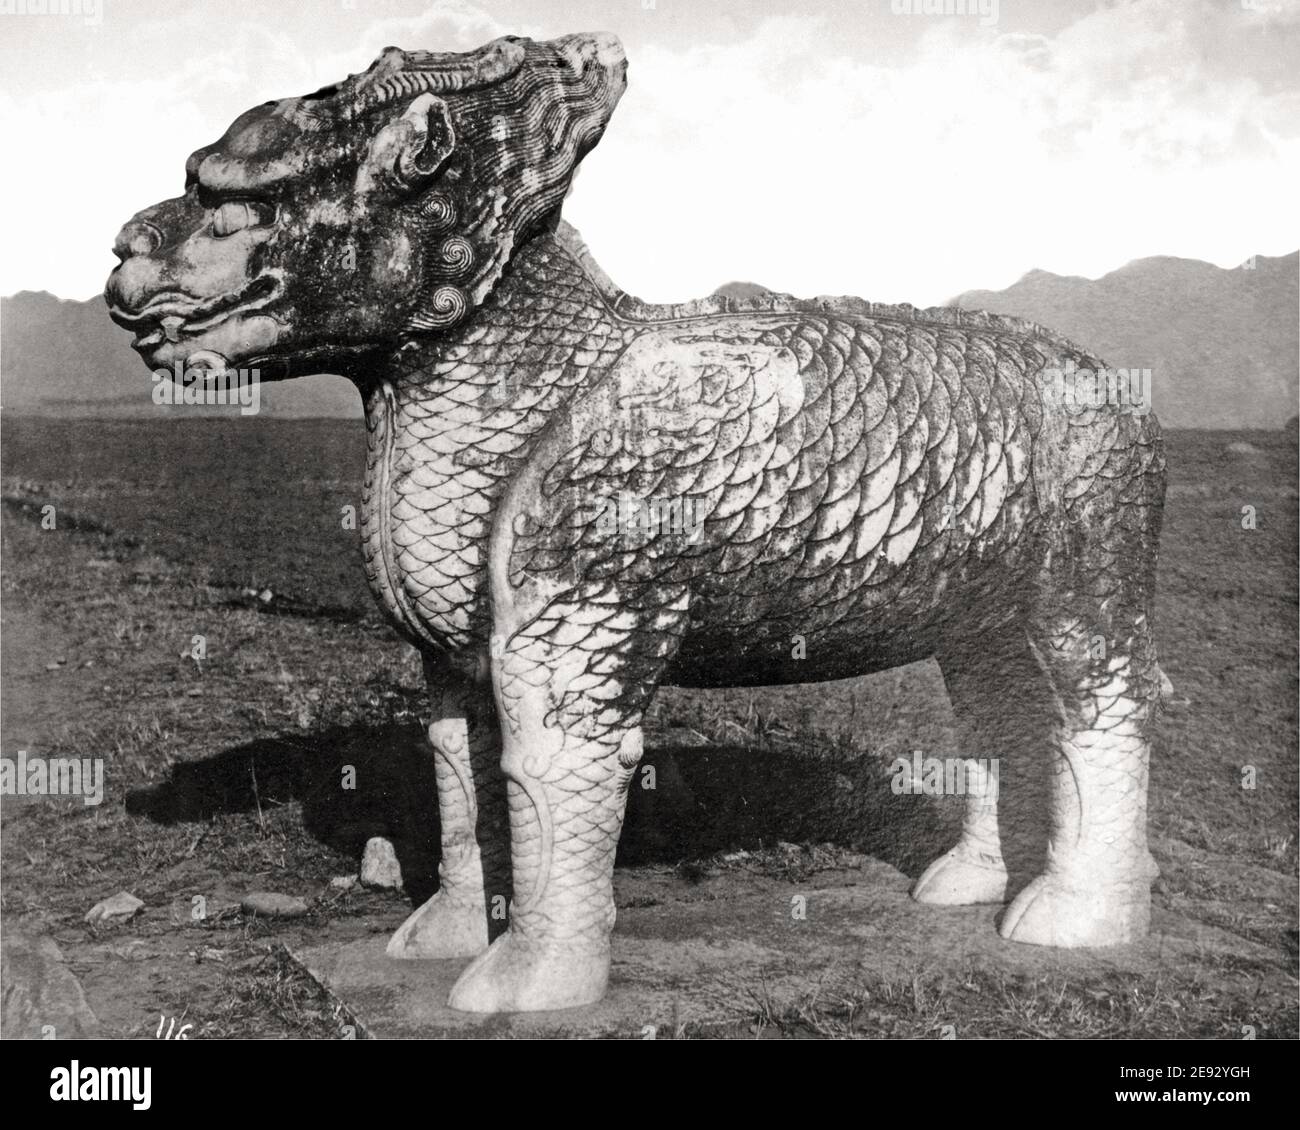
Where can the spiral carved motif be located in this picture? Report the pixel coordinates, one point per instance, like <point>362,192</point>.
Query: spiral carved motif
<point>439,211</point>
<point>456,254</point>
<point>446,307</point>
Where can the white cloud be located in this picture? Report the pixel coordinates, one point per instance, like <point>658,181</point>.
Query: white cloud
<point>784,155</point>
<point>775,160</point>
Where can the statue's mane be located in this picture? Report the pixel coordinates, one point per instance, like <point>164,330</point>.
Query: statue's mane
<point>634,309</point>
<point>521,126</point>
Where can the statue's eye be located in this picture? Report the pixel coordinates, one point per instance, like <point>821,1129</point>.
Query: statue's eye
<point>236,215</point>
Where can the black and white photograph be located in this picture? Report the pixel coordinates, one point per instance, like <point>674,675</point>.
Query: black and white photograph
<point>650,520</point>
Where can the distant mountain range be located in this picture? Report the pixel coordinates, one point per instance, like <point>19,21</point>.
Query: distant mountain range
<point>741,290</point>
<point>1222,344</point>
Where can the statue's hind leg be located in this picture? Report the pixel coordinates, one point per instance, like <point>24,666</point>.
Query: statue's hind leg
<point>468,909</point>
<point>1095,889</point>
<point>1063,705</point>
<point>1090,633</point>
<point>973,871</point>
<point>1001,702</point>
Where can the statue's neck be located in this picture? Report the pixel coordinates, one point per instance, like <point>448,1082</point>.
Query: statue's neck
<point>484,390</point>
<point>450,418</point>
<point>516,342</point>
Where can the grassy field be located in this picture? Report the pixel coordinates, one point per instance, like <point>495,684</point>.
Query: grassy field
<point>221,770</point>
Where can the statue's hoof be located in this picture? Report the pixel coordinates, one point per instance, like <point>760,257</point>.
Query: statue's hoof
<point>443,927</point>
<point>962,878</point>
<point>1052,912</point>
<point>516,976</point>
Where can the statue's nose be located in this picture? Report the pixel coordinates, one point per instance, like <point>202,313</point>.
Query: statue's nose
<point>137,238</point>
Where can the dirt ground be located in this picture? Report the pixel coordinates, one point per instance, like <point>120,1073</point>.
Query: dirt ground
<point>222,771</point>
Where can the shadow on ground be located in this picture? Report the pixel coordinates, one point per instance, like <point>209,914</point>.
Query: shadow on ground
<point>685,804</point>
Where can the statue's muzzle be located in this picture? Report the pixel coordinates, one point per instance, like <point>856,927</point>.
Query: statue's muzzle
<point>180,291</point>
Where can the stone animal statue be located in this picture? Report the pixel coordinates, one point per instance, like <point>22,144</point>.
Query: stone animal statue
<point>573,497</point>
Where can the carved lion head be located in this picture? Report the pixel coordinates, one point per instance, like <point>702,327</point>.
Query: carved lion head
<point>321,228</point>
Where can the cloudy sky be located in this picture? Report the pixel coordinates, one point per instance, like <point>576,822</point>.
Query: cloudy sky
<point>814,146</point>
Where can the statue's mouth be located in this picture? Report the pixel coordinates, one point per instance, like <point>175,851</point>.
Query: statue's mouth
<point>172,315</point>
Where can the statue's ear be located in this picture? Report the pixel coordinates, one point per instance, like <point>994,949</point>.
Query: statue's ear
<point>411,148</point>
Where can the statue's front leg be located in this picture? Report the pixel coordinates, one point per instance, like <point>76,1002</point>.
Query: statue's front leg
<point>571,740</point>
<point>474,872</point>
